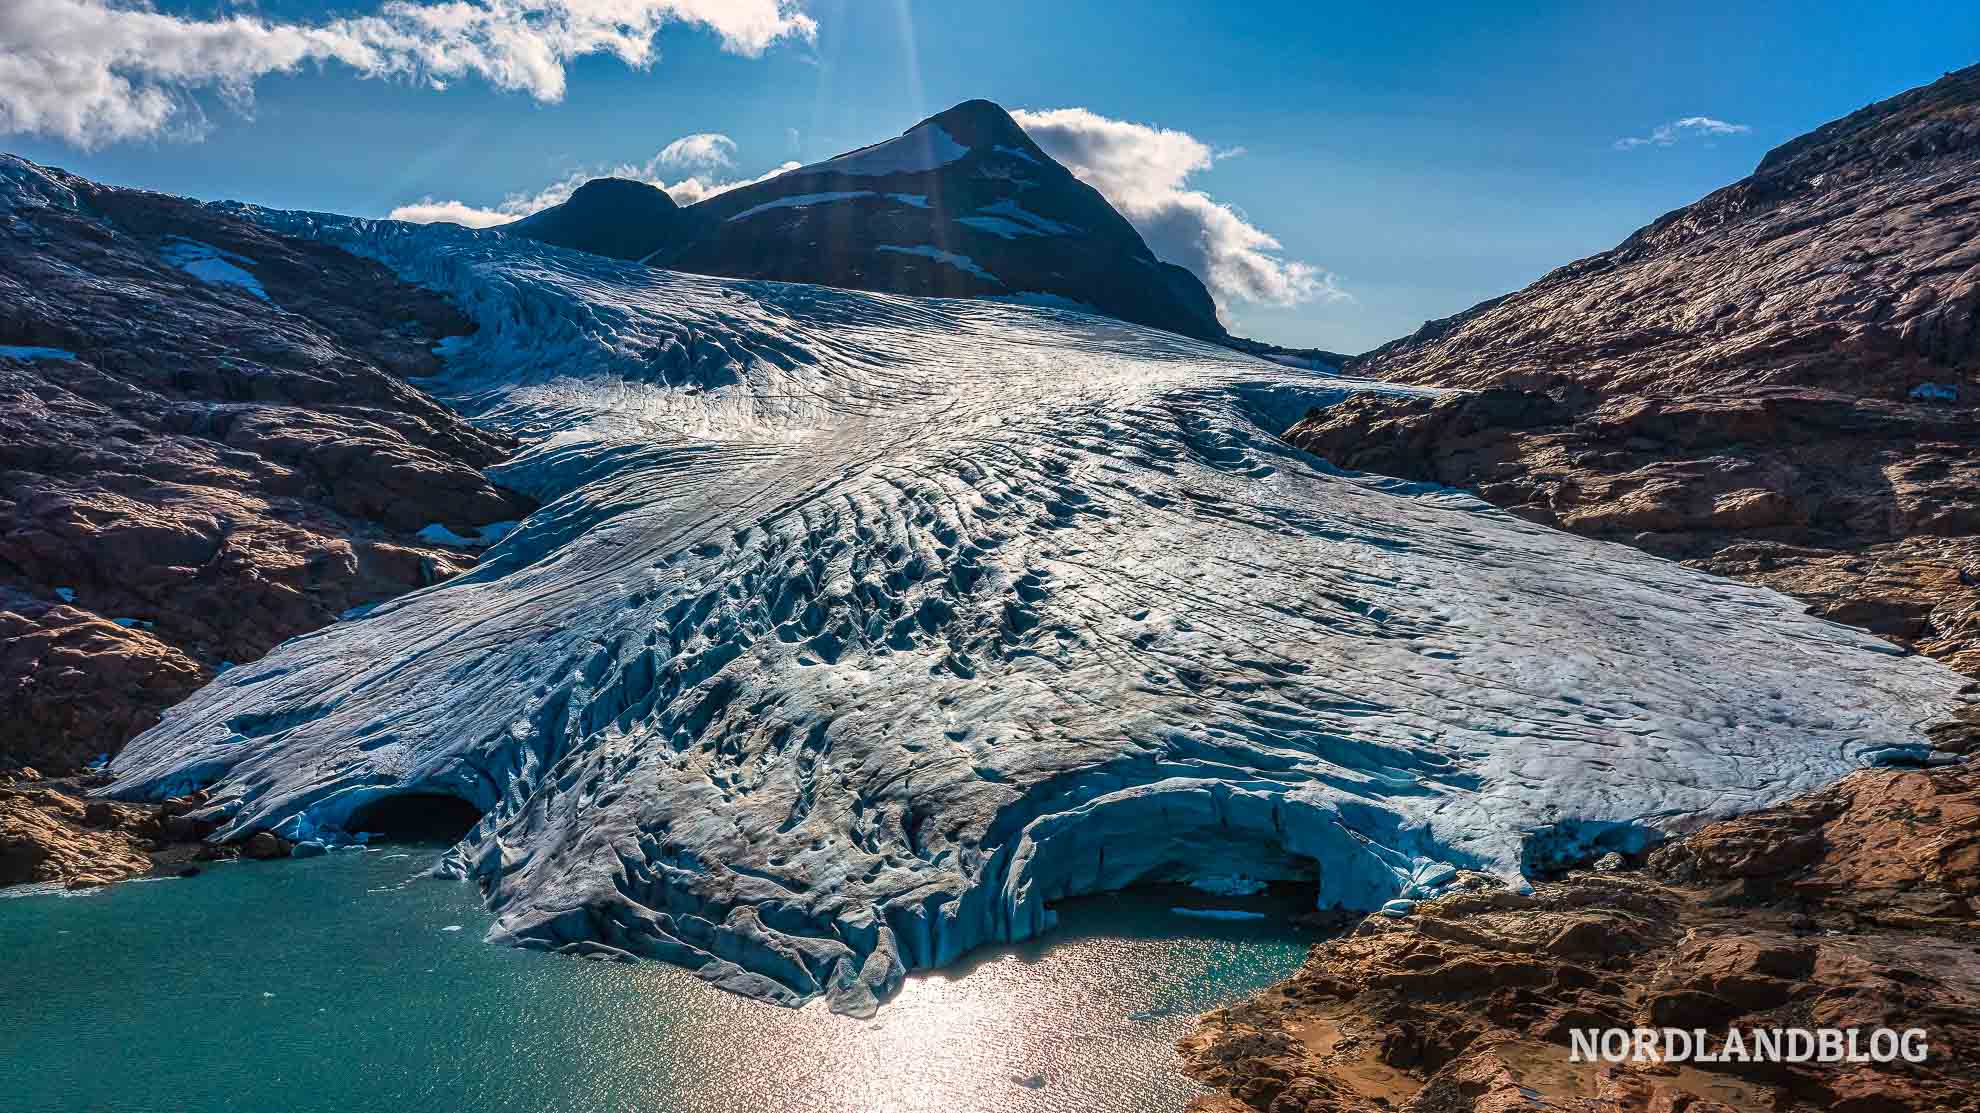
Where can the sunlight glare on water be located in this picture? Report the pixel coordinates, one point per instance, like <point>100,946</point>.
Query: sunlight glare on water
<point>333,983</point>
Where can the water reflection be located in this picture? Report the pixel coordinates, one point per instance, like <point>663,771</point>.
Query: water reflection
<point>329,984</point>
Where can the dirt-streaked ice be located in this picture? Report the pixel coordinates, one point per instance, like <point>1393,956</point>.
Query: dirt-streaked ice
<point>855,628</point>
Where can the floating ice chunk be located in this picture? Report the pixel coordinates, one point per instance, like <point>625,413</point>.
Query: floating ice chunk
<point>211,265</point>
<point>29,352</point>
<point>1935,392</point>
<point>66,594</point>
<point>960,262</point>
<point>1217,913</point>
<point>803,200</point>
<point>451,927</point>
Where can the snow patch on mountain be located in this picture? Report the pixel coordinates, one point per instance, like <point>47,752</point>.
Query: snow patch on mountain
<point>917,151</point>
<point>803,200</point>
<point>856,629</point>
<point>211,265</point>
<point>960,262</point>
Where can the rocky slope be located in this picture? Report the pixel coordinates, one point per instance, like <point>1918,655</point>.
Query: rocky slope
<point>1853,907</point>
<point>207,446</point>
<point>963,204</point>
<point>1776,383</point>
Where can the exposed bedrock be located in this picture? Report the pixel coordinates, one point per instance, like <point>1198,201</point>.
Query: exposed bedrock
<point>855,629</point>
<point>207,445</point>
<point>1776,383</point>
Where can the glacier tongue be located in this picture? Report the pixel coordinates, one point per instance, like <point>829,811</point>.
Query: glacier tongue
<point>854,629</point>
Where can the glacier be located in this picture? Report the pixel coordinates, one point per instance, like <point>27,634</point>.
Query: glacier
<point>856,629</point>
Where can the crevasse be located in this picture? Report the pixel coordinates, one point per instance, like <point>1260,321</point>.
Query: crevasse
<point>855,629</point>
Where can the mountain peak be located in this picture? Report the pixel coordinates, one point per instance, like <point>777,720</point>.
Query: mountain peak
<point>962,204</point>
<point>980,123</point>
<point>622,192</point>
<point>607,216</point>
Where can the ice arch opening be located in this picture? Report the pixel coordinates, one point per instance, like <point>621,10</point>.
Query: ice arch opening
<point>1181,830</point>
<point>416,817</point>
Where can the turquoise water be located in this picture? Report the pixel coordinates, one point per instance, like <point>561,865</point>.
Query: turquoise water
<point>334,984</point>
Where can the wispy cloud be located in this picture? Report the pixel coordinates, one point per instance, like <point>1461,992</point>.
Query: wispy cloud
<point>1664,135</point>
<point>100,71</point>
<point>1145,173</point>
<point>707,149</point>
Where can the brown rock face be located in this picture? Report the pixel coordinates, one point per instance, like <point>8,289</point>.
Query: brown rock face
<point>50,831</point>
<point>213,471</point>
<point>1776,383</point>
<point>1849,908</point>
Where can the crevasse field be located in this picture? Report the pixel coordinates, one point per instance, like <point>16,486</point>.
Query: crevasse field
<point>855,629</point>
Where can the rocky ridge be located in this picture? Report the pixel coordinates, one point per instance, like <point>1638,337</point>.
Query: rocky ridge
<point>1775,383</point>
<point>208,445</point>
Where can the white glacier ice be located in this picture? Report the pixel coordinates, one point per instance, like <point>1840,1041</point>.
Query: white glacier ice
<point>854,629</point>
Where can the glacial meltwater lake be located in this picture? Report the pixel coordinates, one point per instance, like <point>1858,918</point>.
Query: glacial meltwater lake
<point>335,983</point>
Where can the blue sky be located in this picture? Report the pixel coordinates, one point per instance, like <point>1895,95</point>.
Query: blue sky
<point>1424,159</point>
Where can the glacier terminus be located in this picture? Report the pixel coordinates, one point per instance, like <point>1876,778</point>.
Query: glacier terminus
<point>855,629</point>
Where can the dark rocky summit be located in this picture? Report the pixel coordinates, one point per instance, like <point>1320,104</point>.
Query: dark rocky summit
<point>963,204</point>
<point>207,446</point>
<point>609,216</point>
<point>1776,383</point>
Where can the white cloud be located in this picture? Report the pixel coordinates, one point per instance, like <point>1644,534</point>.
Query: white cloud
<point>689,190</point>
<point>1144,172</point>
<point>686,191</point>
<point>705,148</point>
<point>1664,135</point>
<point>429,211</point>
<point>100,71</point>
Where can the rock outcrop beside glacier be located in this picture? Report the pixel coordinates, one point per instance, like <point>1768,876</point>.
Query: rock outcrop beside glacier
<point>1775,383</point>
<point>207,445</point>
<point>1852,908</point>
<point>854,630</point>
